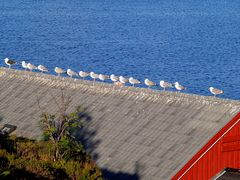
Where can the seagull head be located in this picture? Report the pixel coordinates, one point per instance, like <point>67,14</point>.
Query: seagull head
<point>211,88</point>
<point>120,77</point>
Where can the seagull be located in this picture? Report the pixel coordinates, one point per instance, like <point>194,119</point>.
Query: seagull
<point>42,68</point>
<point>114,78</point>
<point>103,77</point>
<point>215,91</point>
<point>149,83</point>
<point>94,76</point>
<point>31,66</point>
<point>24,65</point>
<point>71,73</point>
<point>119,84</point>
<point>179,87</point>
<point>123,80</point>
<point>9,62</point>
<point>59,70</point>
<point>165,84</point>
<point>133,81</point>
<point>83,74</point>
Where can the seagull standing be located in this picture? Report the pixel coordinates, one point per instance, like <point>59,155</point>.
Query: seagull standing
<point>179,87</point>
<point>31,66</point>
<point>103,77</point>
<point>215,91</point>
<point>83,74</point>
<point>94,76</point>
<point>59,70</point>
<point>114,78</point>
<point>123,80</point>
<point>9,62</point>
<point>24,65</point>
<point>42,68</point>
<point>133,81</point>
<point>149,83</point>
<point>71,73</point>
<point>165,84</point>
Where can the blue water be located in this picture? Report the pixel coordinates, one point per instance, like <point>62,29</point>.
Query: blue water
<point>195,42</point>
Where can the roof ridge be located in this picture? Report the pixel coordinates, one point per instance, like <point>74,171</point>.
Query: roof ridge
<point>139,94</point>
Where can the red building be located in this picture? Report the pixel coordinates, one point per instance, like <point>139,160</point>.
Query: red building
<point>221,152</point>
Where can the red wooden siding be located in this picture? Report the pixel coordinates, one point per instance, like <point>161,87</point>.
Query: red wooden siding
<point>222,151</point>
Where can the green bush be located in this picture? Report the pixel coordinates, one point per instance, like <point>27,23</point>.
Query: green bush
<point>34,159</point>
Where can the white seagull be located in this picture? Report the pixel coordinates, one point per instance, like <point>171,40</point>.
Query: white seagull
<point>114,78</point>
<point>133,81</point>
<point>59,70</point>
<point>149,83</point>
<point>215,91</point>
<point>9,62</point>
<point>31,66</point>
<point>71,73</point>
<point>42,68</point>
<point>103,77</point>
<point>83,74</point>
<point>123,80</point>
<point>24,65</point>
<point>179,87</point>
<point>165,84</point>
<point>94,76</point>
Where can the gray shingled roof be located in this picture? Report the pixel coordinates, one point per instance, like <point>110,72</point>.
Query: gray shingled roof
<point>133,131</point>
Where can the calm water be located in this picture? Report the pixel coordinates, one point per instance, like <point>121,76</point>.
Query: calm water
<point>195,42</point>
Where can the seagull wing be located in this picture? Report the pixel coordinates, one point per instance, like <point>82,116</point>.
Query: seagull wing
<point>217,91</point>
<point>11,61</point>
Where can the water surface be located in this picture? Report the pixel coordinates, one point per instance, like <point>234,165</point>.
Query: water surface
<point>194,42</point>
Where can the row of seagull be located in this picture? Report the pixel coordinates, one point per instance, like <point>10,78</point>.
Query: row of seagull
<point>118,80</point>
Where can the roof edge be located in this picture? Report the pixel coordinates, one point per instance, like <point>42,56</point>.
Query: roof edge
<point>206,147</point>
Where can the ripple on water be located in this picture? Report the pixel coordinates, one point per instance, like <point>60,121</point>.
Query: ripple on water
<point>196,43</point>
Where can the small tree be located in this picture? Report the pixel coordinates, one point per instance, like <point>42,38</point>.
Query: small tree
<point>57,128</point>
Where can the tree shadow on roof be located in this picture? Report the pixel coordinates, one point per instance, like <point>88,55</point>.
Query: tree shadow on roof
<point>111,175</point>
<point>88,137</point>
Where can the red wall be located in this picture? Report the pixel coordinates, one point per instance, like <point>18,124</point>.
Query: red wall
<point>222,151</point>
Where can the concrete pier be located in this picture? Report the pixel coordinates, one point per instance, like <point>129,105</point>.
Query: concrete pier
<point>147,133</point>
